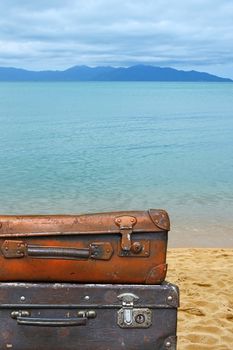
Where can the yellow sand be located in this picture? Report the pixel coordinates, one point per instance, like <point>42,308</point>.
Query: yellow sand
<point>205,278</point>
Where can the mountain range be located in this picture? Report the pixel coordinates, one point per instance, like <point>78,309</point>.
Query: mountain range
<point>85,73</point>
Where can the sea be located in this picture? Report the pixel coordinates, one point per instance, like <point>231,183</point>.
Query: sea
<point>81,147</point>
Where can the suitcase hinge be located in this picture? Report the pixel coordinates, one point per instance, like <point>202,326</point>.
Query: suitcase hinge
<point>126,224</point>
<point>131,317</point>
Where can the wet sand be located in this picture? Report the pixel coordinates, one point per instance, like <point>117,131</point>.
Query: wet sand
<point>205,278</point>
<point>201,235</point>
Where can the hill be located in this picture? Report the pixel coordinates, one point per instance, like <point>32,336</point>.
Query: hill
<point>85,73</point>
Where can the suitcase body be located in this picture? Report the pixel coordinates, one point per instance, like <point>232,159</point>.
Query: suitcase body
<point>117,247</point>
<point>47,316</point>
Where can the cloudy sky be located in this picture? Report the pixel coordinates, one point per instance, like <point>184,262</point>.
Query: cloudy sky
<point>57,34</point>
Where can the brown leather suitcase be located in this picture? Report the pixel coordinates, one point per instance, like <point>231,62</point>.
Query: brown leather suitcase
<point>116,247</point>
<point>47,316</point>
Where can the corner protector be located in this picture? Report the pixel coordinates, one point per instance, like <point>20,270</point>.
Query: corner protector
<point>170,343</point>
<point>157,274</point>
<point>173,298</point>
<point>160,218</point>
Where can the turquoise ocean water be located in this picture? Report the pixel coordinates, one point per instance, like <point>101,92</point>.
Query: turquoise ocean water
<point>83,147</point>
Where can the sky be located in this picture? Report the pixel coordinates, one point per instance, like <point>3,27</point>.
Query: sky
<point>56,34</point>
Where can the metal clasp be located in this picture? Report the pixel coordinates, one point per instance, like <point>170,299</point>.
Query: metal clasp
<point>131,317</point>
<point>126,224</point>
<point>127,310</point>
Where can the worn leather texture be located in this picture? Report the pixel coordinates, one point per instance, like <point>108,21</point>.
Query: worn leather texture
<point>116,247</point>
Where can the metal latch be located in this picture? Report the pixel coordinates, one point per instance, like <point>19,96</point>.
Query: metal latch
<point>129,316</point>
<point>126,224</point>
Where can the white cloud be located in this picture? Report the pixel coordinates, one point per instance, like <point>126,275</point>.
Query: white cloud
<point>56,34</point>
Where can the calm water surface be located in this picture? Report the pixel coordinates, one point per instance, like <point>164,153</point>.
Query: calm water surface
<point>82,147</point>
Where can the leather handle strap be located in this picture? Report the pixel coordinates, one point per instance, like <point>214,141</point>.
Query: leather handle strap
<point>20,249</point>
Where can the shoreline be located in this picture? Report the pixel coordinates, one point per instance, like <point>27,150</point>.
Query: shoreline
<point>201,236</point>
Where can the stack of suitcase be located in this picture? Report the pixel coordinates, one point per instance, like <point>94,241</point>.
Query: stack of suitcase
<point>90,282</point>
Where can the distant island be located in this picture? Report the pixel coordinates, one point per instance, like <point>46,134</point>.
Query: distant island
<point>85,73</point>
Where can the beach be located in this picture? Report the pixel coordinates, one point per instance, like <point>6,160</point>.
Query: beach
<point>94,147</point>
<point>116,107</point>
<point>205,278</point>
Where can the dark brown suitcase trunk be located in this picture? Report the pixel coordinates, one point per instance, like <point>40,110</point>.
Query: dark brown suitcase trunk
<point>117,247</point>
<point>88,317</point>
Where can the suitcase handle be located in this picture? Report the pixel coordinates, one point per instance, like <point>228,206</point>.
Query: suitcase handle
<point>23,318</point>
<point>21,249</point>
<point>51,322</point>
<point>57,252</point>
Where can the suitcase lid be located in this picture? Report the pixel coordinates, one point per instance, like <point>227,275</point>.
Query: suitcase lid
<point>97,296</point>
<point>124,222</point>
